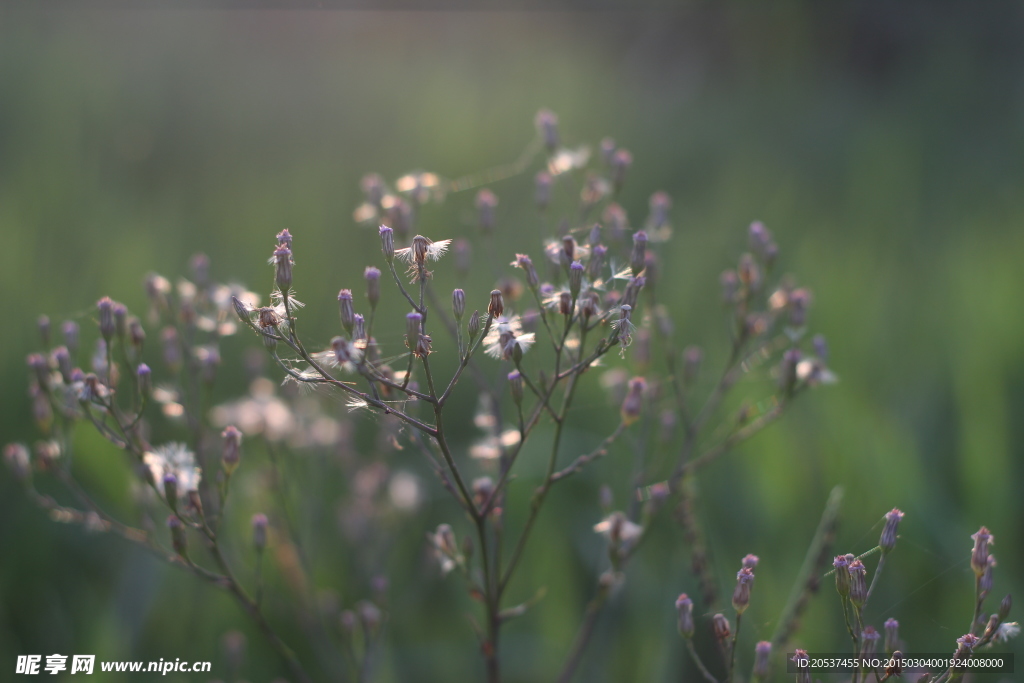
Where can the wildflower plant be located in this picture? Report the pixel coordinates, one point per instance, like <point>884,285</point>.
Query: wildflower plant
<point>586,309</point>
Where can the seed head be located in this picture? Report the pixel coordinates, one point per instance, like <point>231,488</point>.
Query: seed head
<point>387,241</point>
<point>979,556</point>
<point>259,531</point>
<point>497,305</point>
<point>231,454</point>
<point>105,308</point>
<point>892,523</point>
<point>741,595</point>
<point>632,405</point>
<point>684,615</point>
<point>458,304</point>
<point>346,310</point>
<point>422,349</point>
<point>858,583</point>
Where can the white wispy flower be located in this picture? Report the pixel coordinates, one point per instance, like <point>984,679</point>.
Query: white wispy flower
<point>617,528</point>
<point>428,249</point>
<point>174,458</point>
<point>505,335</point>
<point>1007,630</point>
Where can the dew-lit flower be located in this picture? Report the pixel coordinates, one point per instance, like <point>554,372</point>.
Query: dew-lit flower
<point>423,249</point>
<point>174,458</point>
<point>505,336</point>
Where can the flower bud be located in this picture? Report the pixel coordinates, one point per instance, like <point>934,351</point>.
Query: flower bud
<point>985,582</point>
<point>720,625</point>
<point>621,161</point>
<point>1004,607</point>
<point>259,531</point>
<point>16,457</point>
<point>892,635</point>
<point>40,368</point>
<point>801,659</point>
<point>459,304</point>
<point>684,615</point>
<point>170,484</point>
<point>178,539</point>
<point>869,641</point>
<point>497,305</point>
<point>359,328</point>
<point>523,261</point>
<point>568,254</point>
<point>799,301</point>
<point>749,273</point>
<point>542,189</point>
<point>787,369</point>
<point>575,278</point>
<point>473,329</point>
<point>892,523</point>
<point>483,489</point>
<point>979,556</point>
<point>413,324</point>
<point>136,335</point>
<point>283,267</point>
<point>638,257</point>
<point>741,595</point>
<point>387,242</point>
<point>858,583</point>
<point>120,319</point>
<point>372,277</point>
<point>145,377</point>
<point>565,303</point>
<point>486,202</point>
<point>842,565</point>
<point>750,561</point>
<point>634,401</point>
<point>547,126</point>
<point>660,204</point>
<point>422,349</point>
<point>231,454</point>
<point>762,658</point>
<point>730,286</point>
<point>105,308</point>
<point>70,331</point>
<point>346,310</point>
<point>515,384</point>
<point>596,263</point>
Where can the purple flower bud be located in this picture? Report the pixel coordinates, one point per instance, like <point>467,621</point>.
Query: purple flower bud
<point>231,454</point>
<point>547,126</point>
<point>858,583</point>
<point>346,309</point>
<point>259,531</point>
<point>730,285</point>
<point>720,625</point>
<point>542,189</point>
<point>869,641</point>
<point>372,276</point>
<point>820,347</point>
<point>387,241</point>
<point>486,202</point>
<point>892,635</point>
<point>284,237</point>
<point>515,385</point>
<point>892,524</point>
<point>985,582</point>
<point>413,325</point>
<point>40,368</point>
<point>136,334</point>
<point>565,303</point>
<point>787,369</point>
<point>473,328</point>
<point>741,595</point>
<point>762,657</point>
<point>979,556</point>
<point>750,561</point>
<point>43,324</point>
<point>799,301</point>
<point>684,615</point>
<point>105,307</point>
<point>575,278</point>
<point>523,261</point>
<point>283,267</point>
<point>632,405</point>
<point>16,457</point>
<point>178,539</point>
<point>359,327</point>
<point>636,260</point>
<point>621,161</point>
<point>801,660</point>
<point>842,565</point>
<point>1004,607</point>
<point>660,204</point>
<point>749,273</point>
<point>70,330</point>
<point>120,319</point>
<point>170,484</point>
<point>145,377</point>
<point>62,359</point>
<point>458,303</point>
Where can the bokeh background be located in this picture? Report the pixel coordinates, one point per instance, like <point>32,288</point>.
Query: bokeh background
<point>882,143</point>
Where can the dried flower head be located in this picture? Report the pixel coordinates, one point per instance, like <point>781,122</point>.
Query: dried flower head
<point>858,582</point>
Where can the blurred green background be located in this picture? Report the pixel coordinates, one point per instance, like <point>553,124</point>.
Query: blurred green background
<point>882,143</point>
